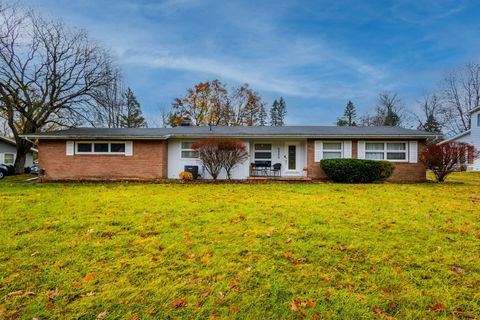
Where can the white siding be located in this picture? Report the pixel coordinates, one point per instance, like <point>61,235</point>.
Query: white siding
<point>347,149</point>
<point>176,164</point>
<point>129,148</point>
<point>475,139</point>
<point>413,152</point>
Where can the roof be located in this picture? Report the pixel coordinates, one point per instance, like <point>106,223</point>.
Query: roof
<point>13,143</point>
<point>238,131</point>
<point>455,137</point>
<point>474,110</point>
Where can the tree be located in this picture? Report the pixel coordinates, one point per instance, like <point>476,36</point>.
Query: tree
<point>133,117</point>
<point>282,112</point>
<point>232,153</point>
<point>389,111</point>
<point>274,114</point>
<point>246,106</point>
<point>210,154</point>
<point>262,116</point>
<point>109,105</point>
<point>349,116</point>
<point>48,75</point>
<point>447,157</point>
<point>430,113</point>
<point>461,94</point>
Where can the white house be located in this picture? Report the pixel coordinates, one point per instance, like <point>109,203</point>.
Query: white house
<point>471,136</point>
<point>8,152</point>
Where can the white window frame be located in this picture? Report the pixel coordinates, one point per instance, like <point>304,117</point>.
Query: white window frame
<point>255,150</point>
<point>101,153</point>
<point>385,151</point>
<point>13,158</point>
<point>190,149</point>
<point>332,151</point>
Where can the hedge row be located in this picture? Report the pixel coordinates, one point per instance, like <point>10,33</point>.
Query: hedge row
<point>356,170</point>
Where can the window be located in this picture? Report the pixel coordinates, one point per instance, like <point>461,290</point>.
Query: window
<point>332,150</point>
<point>100,148</point>
<point>395,151</point>
<point>263,153</point>
<point>187,151</point>
<point>9,159</point>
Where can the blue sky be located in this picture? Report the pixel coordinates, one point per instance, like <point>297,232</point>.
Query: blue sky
<point>316,54</point>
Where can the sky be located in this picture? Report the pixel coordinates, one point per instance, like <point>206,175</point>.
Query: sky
<point>315,54</point>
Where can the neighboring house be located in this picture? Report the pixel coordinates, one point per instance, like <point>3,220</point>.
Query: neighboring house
<point>8,152</point>
<point>149,153</point>
<point>472,137</point>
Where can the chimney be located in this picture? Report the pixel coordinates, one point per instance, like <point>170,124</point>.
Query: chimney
<point>186,122</point>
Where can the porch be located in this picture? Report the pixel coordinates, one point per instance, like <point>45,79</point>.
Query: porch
<point>277,159</point>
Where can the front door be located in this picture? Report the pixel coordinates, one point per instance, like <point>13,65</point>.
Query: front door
<point>291,158</point>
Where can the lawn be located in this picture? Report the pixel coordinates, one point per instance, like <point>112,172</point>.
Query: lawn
<point>262,251</point>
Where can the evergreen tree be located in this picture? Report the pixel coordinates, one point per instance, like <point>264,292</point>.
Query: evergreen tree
<point>349,116</point>
<point>274,114</point>
<point>282,112</point>
<point>133,117</point>
<point>262,116</point>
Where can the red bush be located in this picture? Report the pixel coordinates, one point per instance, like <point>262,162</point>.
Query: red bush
<point>447,157</point>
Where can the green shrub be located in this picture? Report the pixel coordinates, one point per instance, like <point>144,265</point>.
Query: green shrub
<point>11,170</point>
<point>356,170</point>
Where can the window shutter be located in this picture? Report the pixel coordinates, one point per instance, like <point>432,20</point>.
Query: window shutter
<point>413,154</point>
<point>129,148</point>
<point>318,152</point>
<point>347,149</point>
<point>70,148</point>
<point>2,158</point>
<point>361,149</point>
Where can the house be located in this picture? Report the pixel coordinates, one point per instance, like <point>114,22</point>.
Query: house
<point>157,153</point>
<point>8,152</point>
<point>472,137</point>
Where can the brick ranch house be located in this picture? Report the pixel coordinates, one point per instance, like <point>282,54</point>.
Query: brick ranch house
<point>158,153</point>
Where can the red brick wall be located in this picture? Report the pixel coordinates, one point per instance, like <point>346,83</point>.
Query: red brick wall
<point>148,162</point>
<point>404,172</point>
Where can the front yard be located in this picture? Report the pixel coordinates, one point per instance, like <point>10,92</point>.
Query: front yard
<point>266,251</point>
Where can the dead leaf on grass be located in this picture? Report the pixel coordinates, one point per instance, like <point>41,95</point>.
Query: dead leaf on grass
<point>437,307</point>
<point>102,315</point>
<point>288,254</point>
<point>289,239</point>
<point>381,314</point>
<point>16,293</point>
<point>457,270</point>
<point>179,303</point>
<point>52,293</point>
<point>88,276</point>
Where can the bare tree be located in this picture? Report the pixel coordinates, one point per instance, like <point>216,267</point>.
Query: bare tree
<point>48,75</point>
<point>109,102</point>
<point>246,106</point>
<point>429,114</point>
<point>461,93</point>
<point>389,111</point>
<point>233,153</point>
<point>4,128</point>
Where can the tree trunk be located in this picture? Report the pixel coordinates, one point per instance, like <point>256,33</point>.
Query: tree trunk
<point>23,147</point>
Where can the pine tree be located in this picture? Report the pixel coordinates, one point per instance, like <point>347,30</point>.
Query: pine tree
<point>282,112</point>
<point>274,114</point>
<point>262,116</point>
<point>133,117</point>
<point>349,116</point>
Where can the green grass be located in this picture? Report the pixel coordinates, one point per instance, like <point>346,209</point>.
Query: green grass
<point>135,251</point>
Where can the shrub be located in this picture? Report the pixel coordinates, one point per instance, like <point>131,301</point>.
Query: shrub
<point>356,170</point>
<point>11,170</point>
<point>186,176</point>
<point>27,170</point>
<point>444,158</point>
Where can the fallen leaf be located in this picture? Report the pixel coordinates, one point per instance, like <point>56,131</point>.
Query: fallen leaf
<point>150,310</point>
<point>457,269</point>
<point>310,303</point>
<point>437,307</point>
<point>179,303</point>
<point>15,293</point>
<point>52,293</point>
<point>233,221</point>
<point>232,309</point>
<point>392,305</point>
<point>102,315</point>
<point>289,239</point>
<point>398,270</point>
<point>2,310</point>
<point>89,294</point>
<point>88,276</point>
<point>328,294</point>
<point>301,260</point>
<point>288,254</point>
<point>382,314</point>
<point>75,283</point>
<point>315,317</point>
<point>296,305</point>
<point>241,217</point>
<point>221,298</point>
<point>342,248</point>
<point>188,241</point>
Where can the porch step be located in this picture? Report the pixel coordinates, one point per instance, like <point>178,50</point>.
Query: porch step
<point>290,179</point>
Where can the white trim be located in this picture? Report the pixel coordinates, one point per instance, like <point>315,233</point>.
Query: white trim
<point>108,153</point>
<point>13,158</point>
<point>347,149</point>
<point>182,149</point>
<point>361,149</point>
<point>128,148</point>
<point>318,150</point>
<point>332,150</point>
<point>255,150</point>
<point>455,137</point>
<point>385,150</point>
